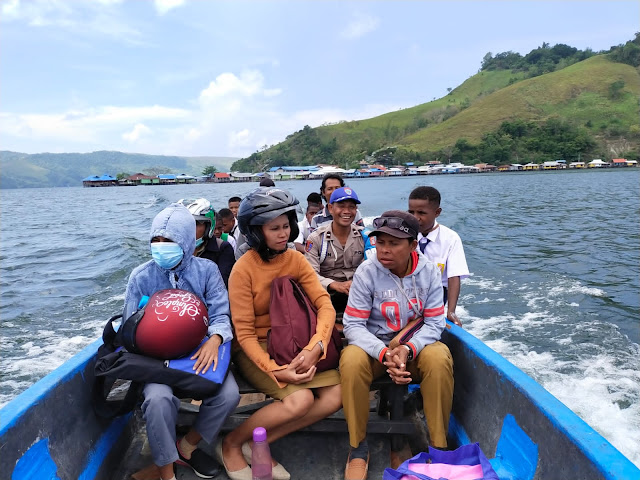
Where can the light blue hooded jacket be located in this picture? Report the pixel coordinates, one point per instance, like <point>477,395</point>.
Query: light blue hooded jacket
<point>194,274</point>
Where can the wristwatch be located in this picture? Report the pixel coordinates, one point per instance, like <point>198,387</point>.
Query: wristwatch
<point>321,346</point>
<point>410,357</point>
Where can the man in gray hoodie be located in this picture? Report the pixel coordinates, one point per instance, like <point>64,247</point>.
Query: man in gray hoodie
<point>390,290</point>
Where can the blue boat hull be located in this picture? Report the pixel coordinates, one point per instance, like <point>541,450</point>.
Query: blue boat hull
<point>51,432</point>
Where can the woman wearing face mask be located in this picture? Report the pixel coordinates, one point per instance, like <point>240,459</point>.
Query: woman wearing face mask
<point>208,246</point>
<point>172,243</point>
<point>303,396</point>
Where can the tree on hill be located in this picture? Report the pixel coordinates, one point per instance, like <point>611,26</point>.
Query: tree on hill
<point>209,170</point>
<point>628,53</point>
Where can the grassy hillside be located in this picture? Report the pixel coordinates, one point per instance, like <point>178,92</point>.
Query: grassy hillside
<point>596,97</point>
<point>578,93</point>
<point>21,170</point>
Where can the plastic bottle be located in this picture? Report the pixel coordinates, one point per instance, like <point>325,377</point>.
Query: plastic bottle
<point>260,456</point>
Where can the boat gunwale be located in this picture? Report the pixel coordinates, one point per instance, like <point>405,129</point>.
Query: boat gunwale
<point>612,463</point>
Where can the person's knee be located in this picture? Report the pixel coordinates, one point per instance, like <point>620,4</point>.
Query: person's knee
<point>159,403</point>
<point>435,360</point>
<point>299,403</point>
<point>353,361</point>
<point>333,398</point>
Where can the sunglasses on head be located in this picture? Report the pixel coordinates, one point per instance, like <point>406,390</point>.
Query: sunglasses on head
<point>396,223</point>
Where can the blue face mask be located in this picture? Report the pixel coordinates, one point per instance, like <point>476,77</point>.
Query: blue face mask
<point>166,254</point>
<point>199,241</point>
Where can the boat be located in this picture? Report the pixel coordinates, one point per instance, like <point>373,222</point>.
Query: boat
<point>50,431</point>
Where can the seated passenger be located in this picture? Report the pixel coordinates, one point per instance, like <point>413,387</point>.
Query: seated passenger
<point>336,248</point>
<point>330,182</point>
<point>219,228</point>
<point>314,205</point>
<point>207,245</point>
<point>267,218</point>
<point>440,244</point>
<point>172,242</point>
<point>388,291</point>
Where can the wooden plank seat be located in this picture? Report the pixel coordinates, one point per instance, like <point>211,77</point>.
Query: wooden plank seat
<point>387,411</point>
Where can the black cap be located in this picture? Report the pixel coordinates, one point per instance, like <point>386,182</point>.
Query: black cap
<point>396,223</point>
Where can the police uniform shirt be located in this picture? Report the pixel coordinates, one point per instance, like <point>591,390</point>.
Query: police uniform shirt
<point>340,262</point>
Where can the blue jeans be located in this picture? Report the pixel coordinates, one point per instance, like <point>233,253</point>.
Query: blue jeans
<point>160,411</point>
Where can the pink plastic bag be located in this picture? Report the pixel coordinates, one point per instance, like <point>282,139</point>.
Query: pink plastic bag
<point>443,470</point>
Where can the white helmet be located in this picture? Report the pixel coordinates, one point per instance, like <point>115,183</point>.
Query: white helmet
<point>202,211</point>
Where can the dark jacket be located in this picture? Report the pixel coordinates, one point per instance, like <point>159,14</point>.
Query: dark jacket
<point>222,254</point>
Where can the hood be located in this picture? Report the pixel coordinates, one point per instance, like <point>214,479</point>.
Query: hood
<point>177,224</point>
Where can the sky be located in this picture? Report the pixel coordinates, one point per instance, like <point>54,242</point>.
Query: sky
<point>225,78</point>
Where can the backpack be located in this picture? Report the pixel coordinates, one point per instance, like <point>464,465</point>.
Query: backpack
<point>114,362</point>
<point>293,323</point>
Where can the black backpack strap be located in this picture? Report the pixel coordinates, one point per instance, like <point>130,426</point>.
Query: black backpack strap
<point>118,406</point>
<point>102,385</point>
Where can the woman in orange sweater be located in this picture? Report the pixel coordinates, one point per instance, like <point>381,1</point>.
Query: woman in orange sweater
<point>303,396</point>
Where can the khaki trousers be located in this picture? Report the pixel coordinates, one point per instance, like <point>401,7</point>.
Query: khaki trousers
<point>434,368</point>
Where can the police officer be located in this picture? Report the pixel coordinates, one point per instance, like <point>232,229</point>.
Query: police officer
<point>336,248</point>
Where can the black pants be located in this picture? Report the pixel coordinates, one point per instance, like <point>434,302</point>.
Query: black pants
<point>339,301</point>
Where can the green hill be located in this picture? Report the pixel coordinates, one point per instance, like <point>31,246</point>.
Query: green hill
<point>589,106</point>
<point>18,170</point>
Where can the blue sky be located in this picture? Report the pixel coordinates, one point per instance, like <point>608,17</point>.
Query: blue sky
<point>223,78</point>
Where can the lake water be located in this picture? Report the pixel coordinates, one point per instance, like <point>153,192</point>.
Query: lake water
<point>554,256</point>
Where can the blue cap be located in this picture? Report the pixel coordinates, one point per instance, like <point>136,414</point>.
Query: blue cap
<point>343,193</point>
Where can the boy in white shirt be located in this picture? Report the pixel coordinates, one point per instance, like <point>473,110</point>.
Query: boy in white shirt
<point>314,205</point>
<point>440,244</point>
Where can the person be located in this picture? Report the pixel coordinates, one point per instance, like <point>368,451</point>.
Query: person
<point>172,242</point>
<point>389,290</point>
<point>230,225</point>
<point>207,244</point>
<point>336,248</point>
<point>267,182</point>
<point>314,205</point>
<point>234,203</point>
<point>330,182</point>
<point>440,244</point>
<point>218,233</point>
<point>303,396</point>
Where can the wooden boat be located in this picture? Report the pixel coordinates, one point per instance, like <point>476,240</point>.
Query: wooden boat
<point>51,432</point>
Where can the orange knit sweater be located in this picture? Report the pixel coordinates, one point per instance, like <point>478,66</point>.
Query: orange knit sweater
<point>249,298</point>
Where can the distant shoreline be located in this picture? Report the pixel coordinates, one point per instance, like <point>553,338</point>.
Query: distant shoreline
<point>282,178</point>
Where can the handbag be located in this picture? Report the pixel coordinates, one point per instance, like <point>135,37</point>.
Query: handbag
<point>293,323</point>
<point>467,462</point>
<point>114,362</point>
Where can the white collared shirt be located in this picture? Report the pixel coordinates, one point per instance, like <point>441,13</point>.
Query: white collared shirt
<point>446,251</point>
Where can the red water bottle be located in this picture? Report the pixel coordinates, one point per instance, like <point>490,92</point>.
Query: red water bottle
<point>260,456</point>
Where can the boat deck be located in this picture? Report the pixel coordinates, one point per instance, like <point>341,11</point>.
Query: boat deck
<point>306,454</point>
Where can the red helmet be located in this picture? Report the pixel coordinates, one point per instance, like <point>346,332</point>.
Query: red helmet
<point>172,324</point>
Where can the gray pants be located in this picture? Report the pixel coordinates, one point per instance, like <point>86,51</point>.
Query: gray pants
<point>160,410</point>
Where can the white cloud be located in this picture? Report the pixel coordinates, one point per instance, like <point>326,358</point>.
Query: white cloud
<point>233,116</point>
<point>239,139</point>
<point>360,25</point>
<point>88,18</point>
<point>249,84</point>
<point>163,6</point>
<point>138,131</point>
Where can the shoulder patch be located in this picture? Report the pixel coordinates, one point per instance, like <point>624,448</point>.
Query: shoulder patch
<point>309,246</point>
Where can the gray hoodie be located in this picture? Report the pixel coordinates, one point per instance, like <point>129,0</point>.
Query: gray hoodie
<point>194,274</point>
<point>379,305</point>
